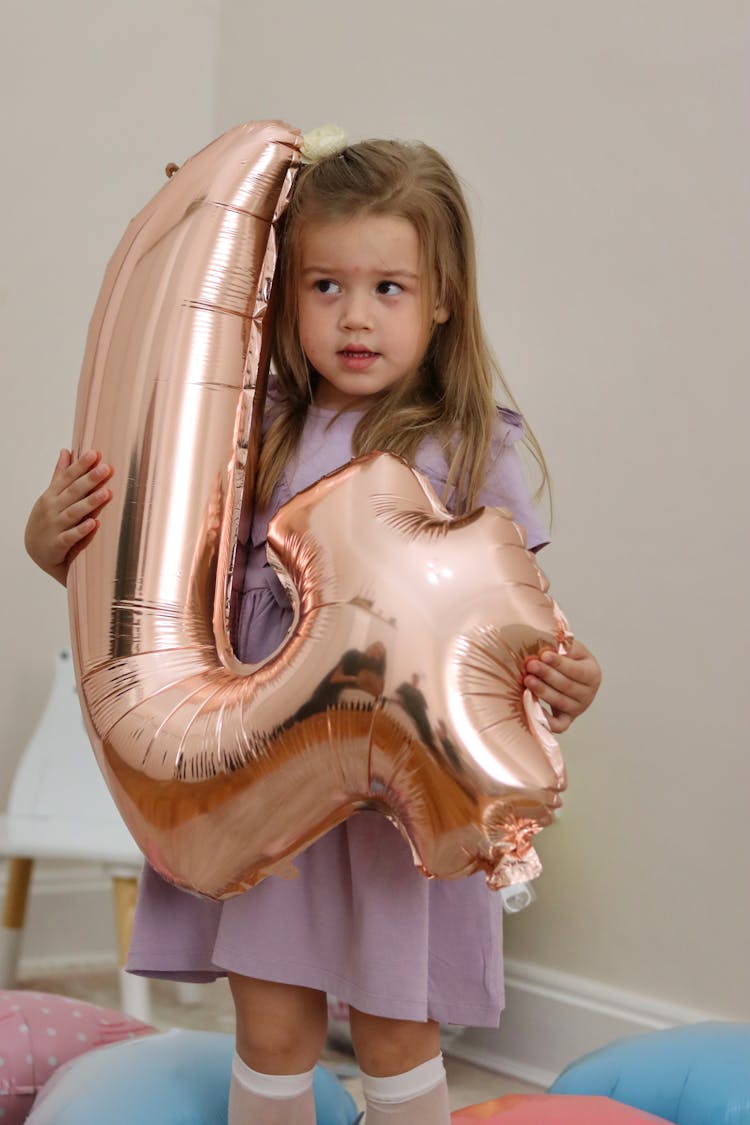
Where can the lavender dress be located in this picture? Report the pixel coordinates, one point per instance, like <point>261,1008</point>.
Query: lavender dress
<point>360,921</point>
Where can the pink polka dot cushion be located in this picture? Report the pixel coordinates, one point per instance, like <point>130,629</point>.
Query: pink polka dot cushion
<point>553,1109</point>
<point>39,1032</point>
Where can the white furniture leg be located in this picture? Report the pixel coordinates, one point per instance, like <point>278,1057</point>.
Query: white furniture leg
<point>189,993</point>
<point>134,991</point>
<point>135,996</point>
<point>10,951</point>
<point>14,918</point>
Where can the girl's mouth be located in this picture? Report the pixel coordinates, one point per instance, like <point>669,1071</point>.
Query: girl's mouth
<point>357,359</point>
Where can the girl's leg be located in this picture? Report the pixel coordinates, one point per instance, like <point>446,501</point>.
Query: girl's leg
<point>281,1029</point>
<point>402,1070</point>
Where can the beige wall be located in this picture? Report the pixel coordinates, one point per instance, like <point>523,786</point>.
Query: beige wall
<point>603,147</point>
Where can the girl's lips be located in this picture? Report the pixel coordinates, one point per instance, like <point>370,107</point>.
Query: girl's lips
<point>357,359</point>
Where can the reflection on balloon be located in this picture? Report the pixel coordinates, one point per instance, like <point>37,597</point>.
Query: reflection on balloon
<point>400,683</point>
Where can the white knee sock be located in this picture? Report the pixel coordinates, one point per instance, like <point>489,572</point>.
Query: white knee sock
<point>270,1099</point>
<point>420,1096</point>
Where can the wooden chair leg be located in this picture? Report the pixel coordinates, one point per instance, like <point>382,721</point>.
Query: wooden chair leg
<point>125,890</point>
<point>14,918</point>
<point>134,991</point>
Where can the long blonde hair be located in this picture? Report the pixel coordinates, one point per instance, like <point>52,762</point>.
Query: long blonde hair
<point>451,395</point>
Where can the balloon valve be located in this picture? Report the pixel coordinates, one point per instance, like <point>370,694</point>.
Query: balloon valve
<point>517,897</point>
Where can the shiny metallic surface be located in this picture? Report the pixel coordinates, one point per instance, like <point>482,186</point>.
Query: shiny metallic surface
<point>399,685</point>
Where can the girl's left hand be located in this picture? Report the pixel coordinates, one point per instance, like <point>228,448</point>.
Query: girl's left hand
<point>566,683</point>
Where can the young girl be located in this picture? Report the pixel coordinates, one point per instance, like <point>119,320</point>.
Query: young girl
<point>378,346</point>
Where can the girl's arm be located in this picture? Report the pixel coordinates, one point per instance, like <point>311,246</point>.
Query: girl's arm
<point>566,683</point>
<point>64,519</point>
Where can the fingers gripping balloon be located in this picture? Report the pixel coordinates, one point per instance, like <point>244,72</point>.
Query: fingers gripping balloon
<point>399,684</point>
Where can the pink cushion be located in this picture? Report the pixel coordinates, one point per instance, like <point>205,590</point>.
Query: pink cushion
<point>39,1032</point>
<point>553,1109</point>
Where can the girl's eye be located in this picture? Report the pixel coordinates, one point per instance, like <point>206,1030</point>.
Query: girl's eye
<point>326,285</point>
<point>388,288</point>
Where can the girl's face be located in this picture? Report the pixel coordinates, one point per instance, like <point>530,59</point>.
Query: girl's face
<point>362,303</point>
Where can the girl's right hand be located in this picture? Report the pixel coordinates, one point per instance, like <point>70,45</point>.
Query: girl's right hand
<point>64,519</point>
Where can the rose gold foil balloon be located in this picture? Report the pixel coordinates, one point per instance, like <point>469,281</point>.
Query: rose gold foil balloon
<point>399,685</point>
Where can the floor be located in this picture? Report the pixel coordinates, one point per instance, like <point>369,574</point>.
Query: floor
<point>212,1010</point>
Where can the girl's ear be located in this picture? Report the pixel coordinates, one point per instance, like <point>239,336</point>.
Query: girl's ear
<point>440,315</point>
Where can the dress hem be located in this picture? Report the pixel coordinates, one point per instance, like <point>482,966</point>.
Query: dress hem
<point>282,972</point>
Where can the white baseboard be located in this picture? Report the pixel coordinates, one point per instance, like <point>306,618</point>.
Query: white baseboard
<point>62,964</point>
<point>552,1018</point>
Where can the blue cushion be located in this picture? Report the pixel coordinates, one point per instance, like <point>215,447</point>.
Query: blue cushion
<point>176,1078</point>
<point>695,1075</point>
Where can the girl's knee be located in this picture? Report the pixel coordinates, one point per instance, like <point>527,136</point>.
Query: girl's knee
<point>281,1028</point>
<point>385,1047</point>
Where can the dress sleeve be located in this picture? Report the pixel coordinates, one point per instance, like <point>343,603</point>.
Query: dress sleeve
<point>504,485</point>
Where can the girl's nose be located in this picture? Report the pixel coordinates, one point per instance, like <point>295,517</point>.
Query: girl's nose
<point>356,312</point>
